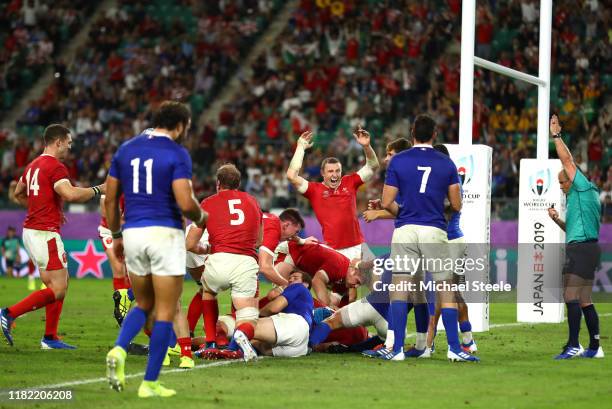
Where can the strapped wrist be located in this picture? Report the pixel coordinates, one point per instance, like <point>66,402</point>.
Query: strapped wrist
<point>117,234</point>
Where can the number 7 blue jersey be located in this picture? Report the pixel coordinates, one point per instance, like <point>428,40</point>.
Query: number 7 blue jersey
<point>146,166</point>
<point>422,176</point>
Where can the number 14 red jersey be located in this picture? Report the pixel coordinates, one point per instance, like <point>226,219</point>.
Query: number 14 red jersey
<point>44,204</point>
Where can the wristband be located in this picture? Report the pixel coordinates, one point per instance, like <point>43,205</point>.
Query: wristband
<point>557,136</point>
<point>96,191</point>
<point>117,234</point>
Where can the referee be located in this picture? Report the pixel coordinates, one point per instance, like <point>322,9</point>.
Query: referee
<point>582,251</point>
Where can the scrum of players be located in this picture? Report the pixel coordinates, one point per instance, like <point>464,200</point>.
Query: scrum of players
<point>231,244</point>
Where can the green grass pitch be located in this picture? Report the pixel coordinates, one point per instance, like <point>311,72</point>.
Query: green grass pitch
<point>517,369</point>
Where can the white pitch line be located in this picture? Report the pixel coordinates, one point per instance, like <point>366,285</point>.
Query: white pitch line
<point>223,363</point>
<point>133,375</point>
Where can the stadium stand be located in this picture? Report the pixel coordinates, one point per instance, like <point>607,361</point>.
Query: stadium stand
<point>333,68</point>
<point>33,33</point>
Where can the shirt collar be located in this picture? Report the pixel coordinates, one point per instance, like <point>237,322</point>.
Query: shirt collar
<point>422,145</point>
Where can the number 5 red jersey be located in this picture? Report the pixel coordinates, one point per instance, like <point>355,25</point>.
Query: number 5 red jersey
<point>234,221</point>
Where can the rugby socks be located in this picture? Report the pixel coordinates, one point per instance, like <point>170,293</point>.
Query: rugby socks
<point>52,313</point>
<point>172,340</point>
<point>185,344</point>
<point>449,318</point>
<point>130,294</point>
<point>132,324</point>
<point>574,315</point>
<point>194,312</point>
<point>319,333</point>
<point>592,322</point>
<point>399,312</point>
<point>248,329</point>
<point>466,331</point>
<point>34,301</point>
<point>120,283</point>
<point>210,312</point>
<point>158,347</point>
<point>421,318</point>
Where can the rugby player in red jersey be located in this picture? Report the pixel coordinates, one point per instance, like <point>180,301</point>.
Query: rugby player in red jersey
<point>235,231</point>
<point>121,282</point>
<point>42,188</point>
<point>327,267</point>
<point>277,229</point>
<point>334,200</point>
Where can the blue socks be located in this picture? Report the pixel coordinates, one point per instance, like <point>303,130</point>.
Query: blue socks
<point>158,347</point>
<point>319,333</point>
<point>172,341</point>
<point>421,317</point>
<point>449,318</point>
<point>130,294</point>
<point>133,323</point>
<point>399,314</point>
<point>465,326</point>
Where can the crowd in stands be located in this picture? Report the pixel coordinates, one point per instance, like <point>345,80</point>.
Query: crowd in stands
<point>33,32</point>
<point>337,65</point>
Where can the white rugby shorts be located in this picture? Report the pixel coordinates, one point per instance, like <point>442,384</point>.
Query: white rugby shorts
<point>292,333</point>
<point>154,250</point>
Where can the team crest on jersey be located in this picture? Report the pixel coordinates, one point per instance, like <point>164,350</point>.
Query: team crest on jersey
<point>465,168</point>
<point>540,181</point>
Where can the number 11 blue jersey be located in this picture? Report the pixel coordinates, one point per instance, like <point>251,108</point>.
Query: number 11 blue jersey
<point>146,166</point>
<point>422,175</point>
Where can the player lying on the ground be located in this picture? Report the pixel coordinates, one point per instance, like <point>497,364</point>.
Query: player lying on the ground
<point>284,324</point>
<point>328,268</point>
<point>370,310</point>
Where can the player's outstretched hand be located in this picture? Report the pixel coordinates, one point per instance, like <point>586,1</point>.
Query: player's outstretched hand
<point>370,215</point>
<point>552,213</point>
<point>311,240</point>
<point>375,204</point>
<point>362,136</point>
<point>555,126</point>
<point>118,249</point>
<point>306,140</point>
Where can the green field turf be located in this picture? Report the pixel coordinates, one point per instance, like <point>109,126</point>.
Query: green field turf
<point>517,369</point>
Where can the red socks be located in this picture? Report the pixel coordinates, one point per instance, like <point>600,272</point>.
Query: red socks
<point>53,312</point>
<point>34,301</point>
<point>195,311</point>
<point>185,344</point>
<point>247,328</point>
<point>210,312</point>
<point>121,283</point>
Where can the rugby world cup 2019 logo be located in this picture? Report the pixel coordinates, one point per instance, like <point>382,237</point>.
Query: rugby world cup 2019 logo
<point>539,181</point>
<point>465,168</point>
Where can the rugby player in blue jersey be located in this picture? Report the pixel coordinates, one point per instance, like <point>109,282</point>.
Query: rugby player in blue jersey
<point>154,173</point>
<point>421,179</point>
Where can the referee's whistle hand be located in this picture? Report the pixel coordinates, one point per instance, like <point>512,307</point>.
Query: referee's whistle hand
<point>552,213</point>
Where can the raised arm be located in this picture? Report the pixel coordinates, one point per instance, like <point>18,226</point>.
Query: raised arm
<point>75,194</point>
<point>367,171</point>
<point>303,143</point>
<point>562,151</point>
